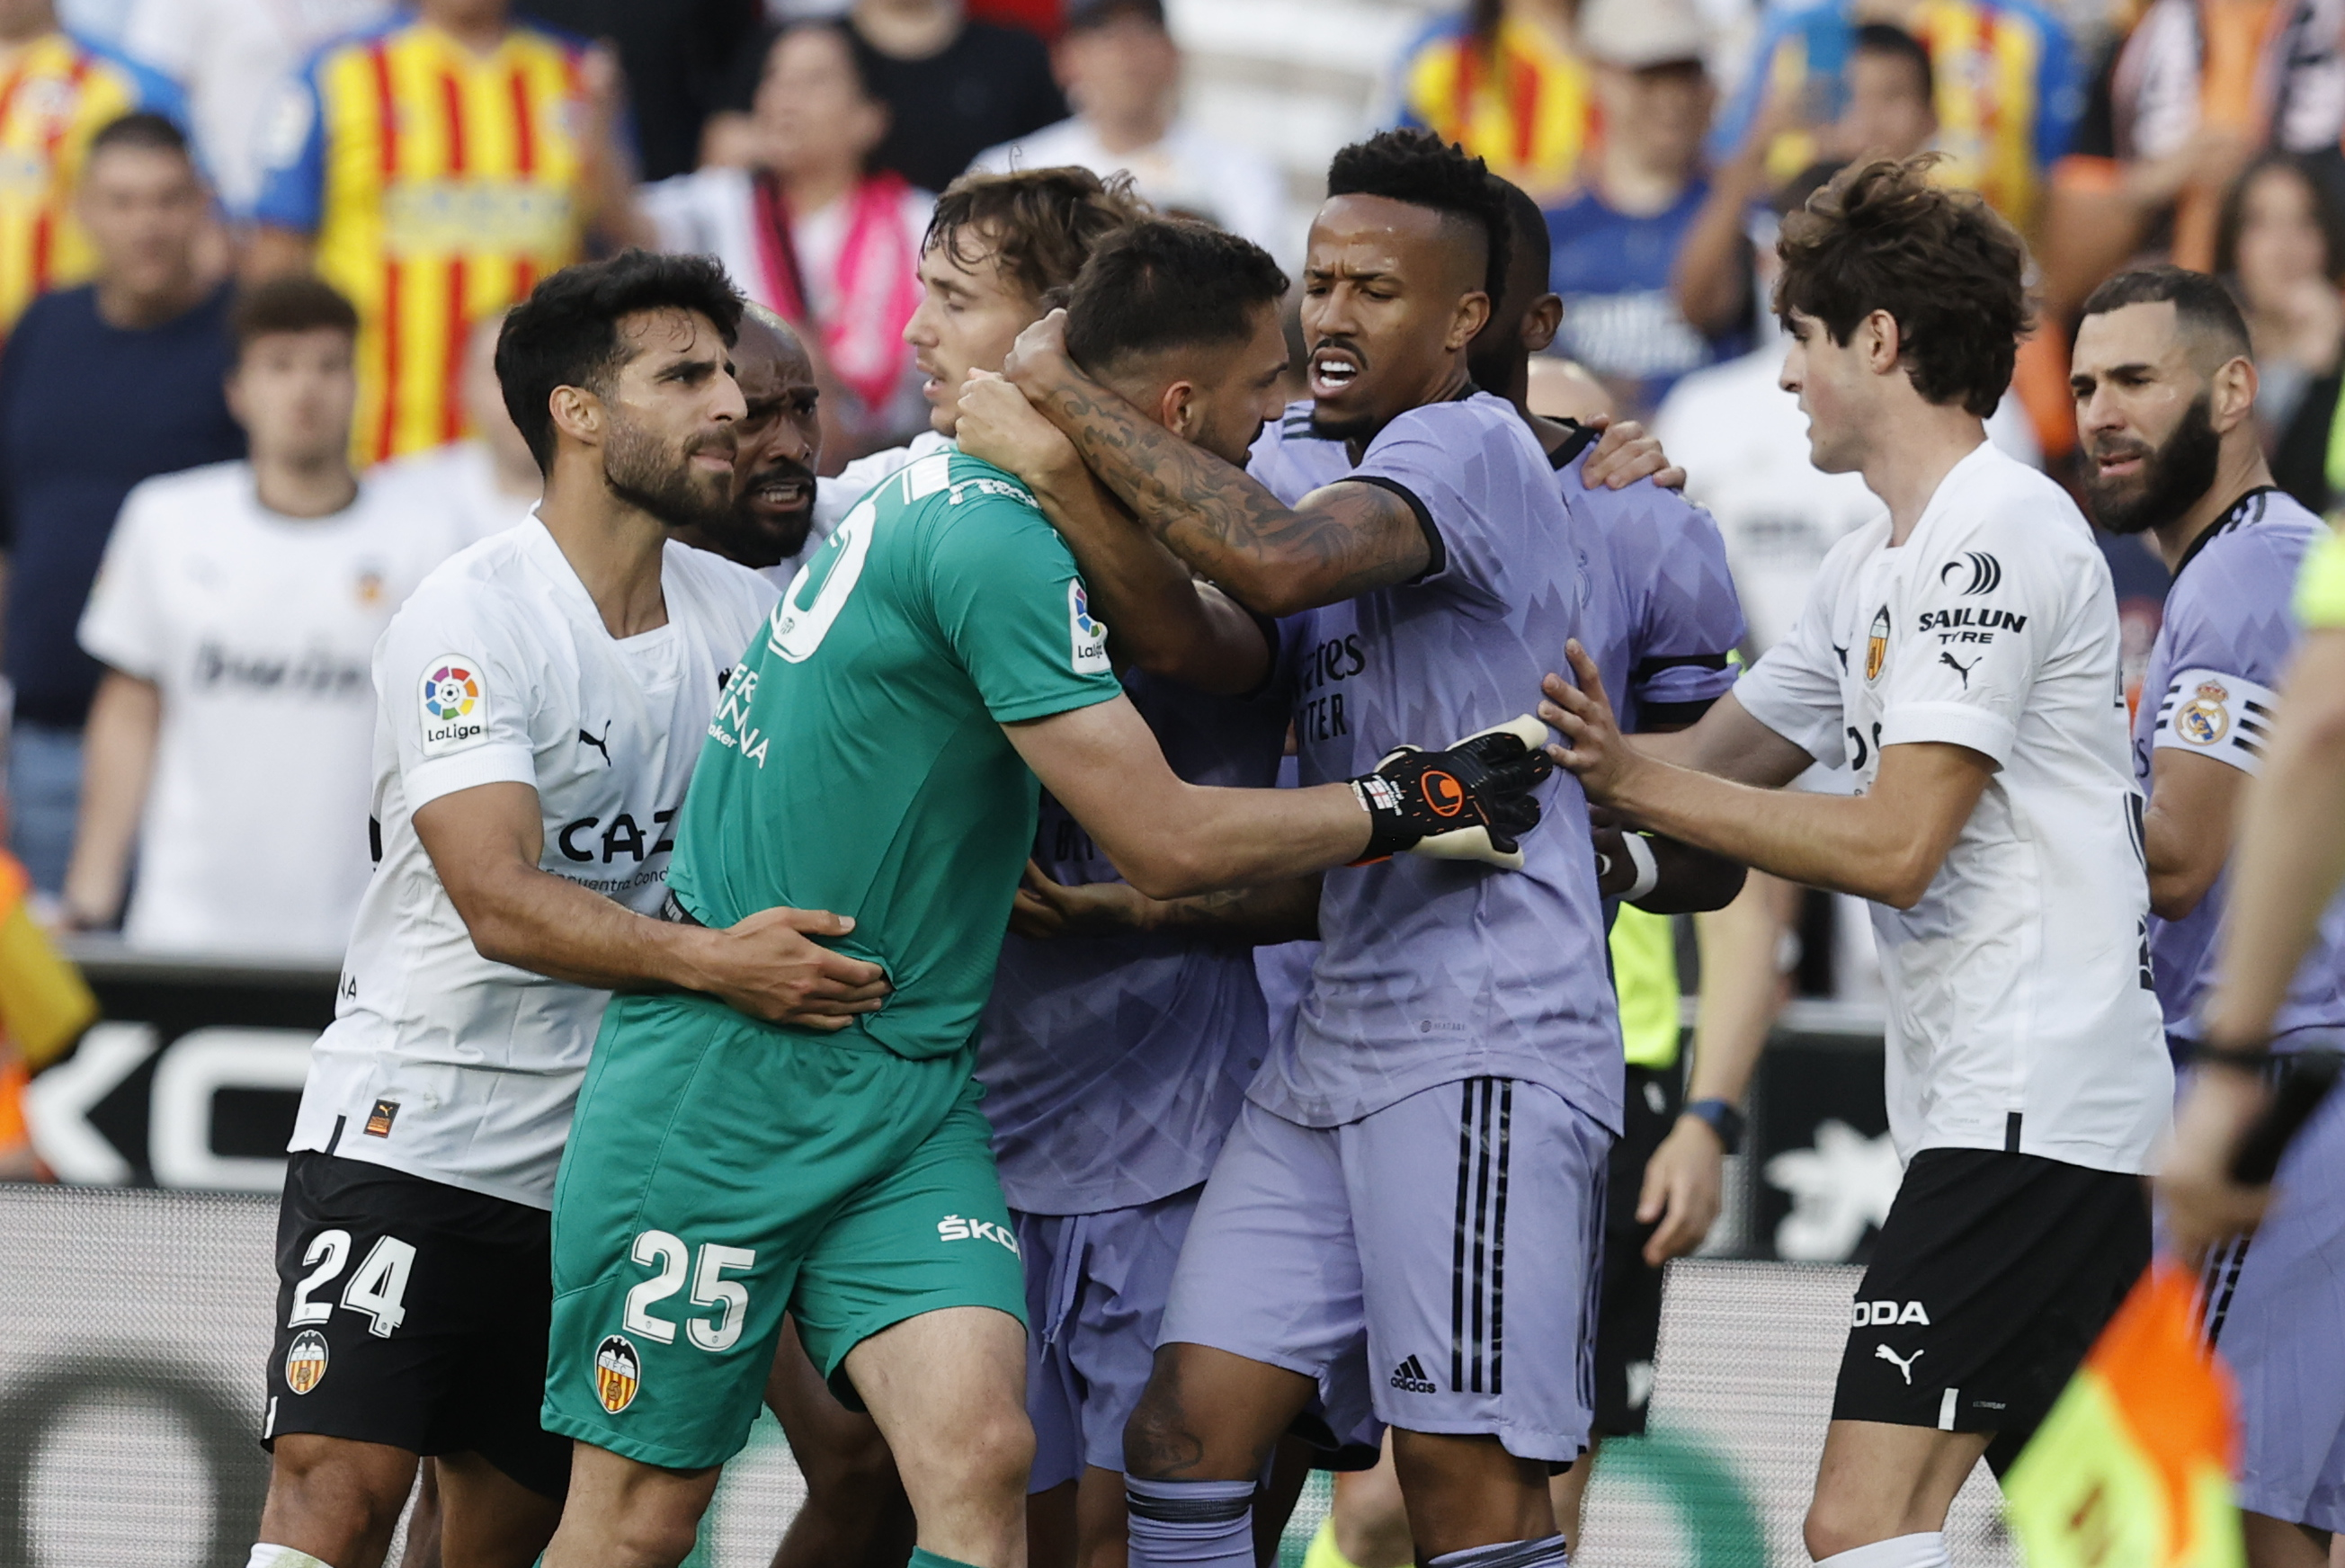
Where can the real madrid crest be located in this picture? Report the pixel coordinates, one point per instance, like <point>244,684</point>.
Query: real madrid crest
<point>2205,718</point>
<point>618,1373</point>
<point>305,1360</point>
<point>1876,644</point>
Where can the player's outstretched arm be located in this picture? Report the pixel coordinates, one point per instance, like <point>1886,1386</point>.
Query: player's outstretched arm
<point>2186,829</point>
<point>1658,875</point>
<point>485,841</point>
<point>1885,844</point>
<point>1339,542</point>
<point>1158,617</point>
<point>1245,916</point>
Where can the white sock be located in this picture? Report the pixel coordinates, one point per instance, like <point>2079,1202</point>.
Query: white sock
<point>1924,1549</point>
<point>266,1556</point>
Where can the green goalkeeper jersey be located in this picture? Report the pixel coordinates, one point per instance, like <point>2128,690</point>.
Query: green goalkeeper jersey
<point>857,763</point>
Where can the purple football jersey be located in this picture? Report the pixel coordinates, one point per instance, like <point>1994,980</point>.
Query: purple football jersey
<point>2227,637</point>
<point>1113,1067</point>
<point>1432,971</point>
<point>1660,616</point>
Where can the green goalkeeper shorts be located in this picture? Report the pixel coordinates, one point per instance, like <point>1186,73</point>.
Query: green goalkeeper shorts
<point>720,1172</point>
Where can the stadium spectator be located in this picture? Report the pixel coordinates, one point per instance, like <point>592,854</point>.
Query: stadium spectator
<point>236,615</point>
<point>1616,242</point>
<point>62,89</point>
<point>1888,113</point>
<point>814,234</point>
<point>1504,79</point>
<point>1122,71</point>
<point>2179,107</point>
<point>224,55</point>
<point>2281,247</point>
<point>486,482</point>
<point>433,171</point>
<point>953,87</point>
<point>101,386</point>
<point>690,65</point>
<point>2004,76</point>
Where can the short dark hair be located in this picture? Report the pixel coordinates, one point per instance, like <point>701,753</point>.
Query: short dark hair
<point>1040,225</point>
<point>1885,38</point>
<point>1880,237</point>
<point>566,333</point>
<point>2327,211</point>
<point>2201,304</point>
<point>140,128</point>
<point>1418,168</point>
<point>1167,283</point>
<point>1527,231</point>
<point>860,58</point>
<point>296,302</point>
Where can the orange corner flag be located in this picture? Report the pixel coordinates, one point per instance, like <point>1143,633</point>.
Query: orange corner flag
<point>2133,1467</point>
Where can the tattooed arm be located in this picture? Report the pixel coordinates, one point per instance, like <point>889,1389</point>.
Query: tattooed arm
<point>1158,617</point>
<point>1338,541</point>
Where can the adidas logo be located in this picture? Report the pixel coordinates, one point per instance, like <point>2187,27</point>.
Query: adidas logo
<point>1410,1377</point>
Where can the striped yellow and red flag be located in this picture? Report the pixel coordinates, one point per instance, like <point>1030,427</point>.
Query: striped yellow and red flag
<point>2133,1467</point>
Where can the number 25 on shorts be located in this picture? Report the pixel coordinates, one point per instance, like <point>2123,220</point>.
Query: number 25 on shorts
<point>668,1253</point>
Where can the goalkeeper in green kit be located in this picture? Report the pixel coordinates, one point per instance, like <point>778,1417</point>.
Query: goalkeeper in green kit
<point>877,754</point>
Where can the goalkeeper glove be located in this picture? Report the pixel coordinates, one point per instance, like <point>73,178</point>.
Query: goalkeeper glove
<point>1470,802</point>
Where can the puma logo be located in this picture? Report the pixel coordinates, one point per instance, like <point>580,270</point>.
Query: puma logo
<point>1959,668</point>
<point>603,746</point>
<point>1905,1364</point>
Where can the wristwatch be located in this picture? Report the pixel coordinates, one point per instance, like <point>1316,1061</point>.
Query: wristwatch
<point>1722,1119</point>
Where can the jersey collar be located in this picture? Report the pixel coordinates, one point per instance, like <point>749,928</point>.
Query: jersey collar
<point>2233,516</point>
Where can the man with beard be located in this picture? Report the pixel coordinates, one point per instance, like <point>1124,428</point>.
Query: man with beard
<point>2166,389</point>
<point>541,704</point>
<point>776,446</point>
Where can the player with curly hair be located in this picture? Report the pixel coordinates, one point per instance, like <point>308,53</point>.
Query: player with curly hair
<point>1960,655</point>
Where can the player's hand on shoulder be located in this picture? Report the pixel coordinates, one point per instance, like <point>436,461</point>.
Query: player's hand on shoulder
<point>1044,909</point>
<point>1625,454</point>
<point>771,966</point>
<point>1684,1183</point>
<point>998,426</point>
<point>1593,748</point>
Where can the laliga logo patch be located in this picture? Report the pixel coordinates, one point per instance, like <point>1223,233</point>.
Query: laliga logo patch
<point>305,1360</point>
<point>618,1373</point>
<point>1876,644</point>
<point>2206,717</point>
<point>455,704</point>
<point>1088,636</point>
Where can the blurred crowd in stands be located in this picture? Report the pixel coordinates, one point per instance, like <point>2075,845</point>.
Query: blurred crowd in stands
<point>253,254</point>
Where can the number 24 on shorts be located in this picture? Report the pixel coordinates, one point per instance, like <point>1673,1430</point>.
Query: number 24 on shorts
<point>669,1254</point>
<point>378,1289</point>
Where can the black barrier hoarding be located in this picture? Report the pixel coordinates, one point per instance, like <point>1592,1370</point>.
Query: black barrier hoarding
<point>192,1078</point>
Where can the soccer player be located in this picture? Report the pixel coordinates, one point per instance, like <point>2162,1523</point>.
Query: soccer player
<point>776,445</point>
<point>879,751</point>
<point>1664,619</point>
<point>1455,1014</point>
<point>434,168</point>
<point>541,700</point>
<point>2166,389</point>
<point>1961,654</point>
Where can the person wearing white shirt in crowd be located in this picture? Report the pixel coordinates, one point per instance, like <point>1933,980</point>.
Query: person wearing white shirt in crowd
<point>485,483</point>
<point>225,53</point>
<point>237,612</point>
<point>817,235</point>
<point>1122,71</point>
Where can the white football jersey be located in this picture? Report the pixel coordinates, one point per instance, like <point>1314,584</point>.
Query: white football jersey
<point>257,630</point>
<point>439,1063</point>
<point>2021,1016</point>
